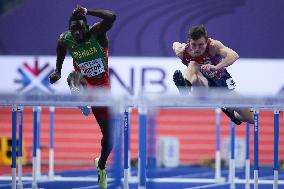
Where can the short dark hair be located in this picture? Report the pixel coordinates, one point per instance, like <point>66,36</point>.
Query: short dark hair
<point>197,32</point>
<point>75,17</point>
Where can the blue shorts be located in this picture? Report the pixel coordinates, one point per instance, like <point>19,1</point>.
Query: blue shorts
<point>225,81</point>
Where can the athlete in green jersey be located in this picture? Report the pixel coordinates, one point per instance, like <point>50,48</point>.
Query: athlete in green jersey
<point>88,46</point>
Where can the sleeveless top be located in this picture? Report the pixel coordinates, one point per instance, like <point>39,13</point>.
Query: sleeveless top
<point>90,58</point>
<point>205,58</point>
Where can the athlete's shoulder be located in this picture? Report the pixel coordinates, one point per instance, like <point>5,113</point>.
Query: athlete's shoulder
<point>213,43</point>
<point>62,39</point>
<point>65,34</point>
<point>179,49</point>
<point>66,38</point>
<point>215,46</point>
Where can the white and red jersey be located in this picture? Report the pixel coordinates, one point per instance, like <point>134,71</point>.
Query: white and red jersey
<point>206,58</point>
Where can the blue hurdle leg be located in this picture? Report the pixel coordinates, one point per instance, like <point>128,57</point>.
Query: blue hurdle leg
<point>247,173</point>
<point>117,125</point>
<point>126,147</point>
<point>276,142</point>
<point>232,159</point>
<point>35,132</point>
<point>256,166</point>
<point>20,148</point>
<point>14,145</point>
<point>142,147</point>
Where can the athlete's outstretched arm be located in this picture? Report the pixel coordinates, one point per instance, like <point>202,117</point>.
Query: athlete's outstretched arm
<point>229,56</point>
<point>61,51</point>
<point>179,49</point>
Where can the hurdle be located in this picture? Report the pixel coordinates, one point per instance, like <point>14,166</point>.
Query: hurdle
<point>271,103</point>
<point>35,101</point>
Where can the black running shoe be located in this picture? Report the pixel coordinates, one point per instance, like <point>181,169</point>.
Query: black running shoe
<point>230,113</point>
<point>180,82</point>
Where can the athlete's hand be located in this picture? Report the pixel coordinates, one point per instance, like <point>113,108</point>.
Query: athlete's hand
<point>55,76</point>
<point>79,10</point>
<point>208,68</point>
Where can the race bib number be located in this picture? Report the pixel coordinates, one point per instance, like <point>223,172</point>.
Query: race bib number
<point>92,68</point>
<point>230,83</point>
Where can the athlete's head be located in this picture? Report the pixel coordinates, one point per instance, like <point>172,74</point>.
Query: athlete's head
<point>78,27</point>
<point>198,39</point>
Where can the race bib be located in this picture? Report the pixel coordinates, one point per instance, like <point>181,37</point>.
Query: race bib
<point>92,68</point>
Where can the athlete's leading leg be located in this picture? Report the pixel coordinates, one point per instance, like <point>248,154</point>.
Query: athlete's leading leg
<point>191,77</point>
<point>194,76</point>
<point>183,85</point>
<point>77,84</point>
